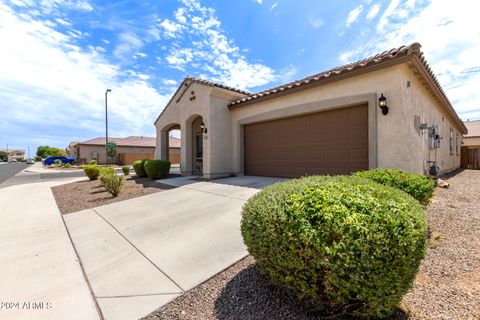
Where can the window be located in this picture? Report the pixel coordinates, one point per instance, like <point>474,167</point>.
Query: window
<point>451,141</point>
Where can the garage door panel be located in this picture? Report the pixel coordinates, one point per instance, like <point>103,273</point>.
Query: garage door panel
<point>331,142</point>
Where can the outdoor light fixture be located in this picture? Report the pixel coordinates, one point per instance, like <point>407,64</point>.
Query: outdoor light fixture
<point>204,129</point>
<point>382,103</point>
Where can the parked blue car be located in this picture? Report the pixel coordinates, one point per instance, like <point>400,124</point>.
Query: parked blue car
<point>51,160</point>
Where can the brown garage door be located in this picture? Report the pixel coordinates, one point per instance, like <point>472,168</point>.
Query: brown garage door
<point>329,142</point>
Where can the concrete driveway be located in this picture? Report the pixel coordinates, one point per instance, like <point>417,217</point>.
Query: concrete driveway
<point>140,254</point>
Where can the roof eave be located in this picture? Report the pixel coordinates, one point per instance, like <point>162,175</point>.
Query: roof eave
<point>324,81</point>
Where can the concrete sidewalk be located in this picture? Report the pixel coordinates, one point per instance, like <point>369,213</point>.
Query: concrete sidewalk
<point>39,272</point>
<point>139,254</point>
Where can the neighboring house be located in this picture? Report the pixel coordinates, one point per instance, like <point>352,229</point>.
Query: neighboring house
<point>72,149</point>
<point>18,154</point>
<point>129,149</point>
<point>471,145</point>
<point>328,123</point>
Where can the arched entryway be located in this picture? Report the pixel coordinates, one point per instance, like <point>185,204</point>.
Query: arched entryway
<point>170,144</point>
<point>197,145</point>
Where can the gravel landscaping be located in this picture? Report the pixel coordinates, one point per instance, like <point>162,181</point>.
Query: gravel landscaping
<point>446,287</point>
<point>87,194</point>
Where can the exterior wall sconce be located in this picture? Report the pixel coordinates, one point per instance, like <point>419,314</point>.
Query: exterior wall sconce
<point>204,128</point>
<point>382,103</point>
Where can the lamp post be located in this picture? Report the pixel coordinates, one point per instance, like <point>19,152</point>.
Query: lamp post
<point>8,154</point>
<point>106,125</point>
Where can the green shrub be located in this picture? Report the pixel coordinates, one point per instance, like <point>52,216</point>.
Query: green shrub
<point>138,167</point>
<point>67,165</point>
<point>92,171</point>
<point>107,170</point>
<point>341,244</point>
<point>418,186</point>
<point>93,161</point>
<point>126,170</point>
<point>157,169</point>
<point>112,183</point>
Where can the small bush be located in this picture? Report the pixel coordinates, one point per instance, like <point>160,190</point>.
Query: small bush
<point>157,169</point>
<point>93,162</point>
<point>107,170</point>
<point>343,245</point>
<point>112,183</point>
<point>138,167</point>
<point>126,170</point>
<point>418,186</point>
<point>67,165</point>
<point>92,171</point>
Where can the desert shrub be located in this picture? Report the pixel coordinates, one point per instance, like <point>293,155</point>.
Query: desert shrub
<point>343,245</point>
<point>418,186</point>
<point>67,165</point>
<point>138,167</point>
<point>93,161</point>
<point>112,183</point>
<point>157,169</point>
<point>126,170</point>
<point>107,170</point>
<point>92,171</point>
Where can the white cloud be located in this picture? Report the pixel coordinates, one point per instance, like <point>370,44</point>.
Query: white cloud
<point>258,1</point>
<point>274,6</point>
<point>450,40</point>
<point>171,28</point>
<point>353,15</point>
<point>316,23</point>
<point>386,15</point>
<point>199,43</point>
<point>49,82</point>
<point>128,42</point>
<point>374,10</point>
<point>170,82</point>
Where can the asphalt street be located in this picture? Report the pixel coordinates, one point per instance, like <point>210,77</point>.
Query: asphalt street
<point>8,170</point>
<point>11,174</point>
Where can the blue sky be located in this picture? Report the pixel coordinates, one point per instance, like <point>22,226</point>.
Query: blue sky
<point>57,57</point>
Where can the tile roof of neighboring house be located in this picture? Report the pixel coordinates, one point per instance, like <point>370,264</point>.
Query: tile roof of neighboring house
<point>132,141</point>
<point>473,128</point>
<point>13,150</point>
<point>382,59</point>
<point>189,80</point>
<point>174,142</point>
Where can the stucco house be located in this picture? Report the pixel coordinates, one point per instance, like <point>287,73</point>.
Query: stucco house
<point>471,146</point>
<point>386,111</point>
<point>18,154</point>
<point>129,149</point>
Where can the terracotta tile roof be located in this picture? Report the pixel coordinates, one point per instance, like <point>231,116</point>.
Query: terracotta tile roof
<point>374,62</point>
<point>381,57</point>
<point>174,142</point>
<point>132,141</point>
<point>473,128</point>
<point>215,84</point>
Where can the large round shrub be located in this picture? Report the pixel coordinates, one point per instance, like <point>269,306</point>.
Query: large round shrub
<point>344,242</point>
<point>417,185</point>
<point>138,167</point>
<point>92,171</point>
<point>157,169</point>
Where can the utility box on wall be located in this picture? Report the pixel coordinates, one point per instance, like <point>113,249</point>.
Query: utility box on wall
<point>433,137</point>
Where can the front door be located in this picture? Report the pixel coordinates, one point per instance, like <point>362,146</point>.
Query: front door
<point>198,156</point>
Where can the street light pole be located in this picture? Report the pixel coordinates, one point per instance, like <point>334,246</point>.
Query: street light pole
<point>8,154</point>
<point>106,126</point>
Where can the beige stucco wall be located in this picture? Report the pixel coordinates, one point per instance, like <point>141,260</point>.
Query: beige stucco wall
<point>395,142</point>
<point>471,142</point>
<point>86,152</point>
<point>211,104</point>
